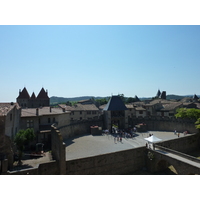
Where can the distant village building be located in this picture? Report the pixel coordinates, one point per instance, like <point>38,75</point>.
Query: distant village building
<point>83,110</point>
<point>25,101</point>
<point>41,119</point>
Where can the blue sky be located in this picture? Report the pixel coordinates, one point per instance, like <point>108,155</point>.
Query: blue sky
<point>72,61</point>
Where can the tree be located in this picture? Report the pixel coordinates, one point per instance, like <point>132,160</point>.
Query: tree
<point>130,100</point>
<point>22,138</point>
<point>191,113</point>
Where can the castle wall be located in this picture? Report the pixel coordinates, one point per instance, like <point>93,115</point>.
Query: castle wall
<point>122,162</point>
<point>79,127</point>
<point>167,124</point>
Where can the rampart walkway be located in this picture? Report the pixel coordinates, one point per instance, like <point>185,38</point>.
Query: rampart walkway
<point>183,163</point>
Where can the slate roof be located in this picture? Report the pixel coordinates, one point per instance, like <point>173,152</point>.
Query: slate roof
<point>195,97</point>
<point>115,104</point>
<point>42,94</point>
<point>23,94</point>
<point>33,96</point>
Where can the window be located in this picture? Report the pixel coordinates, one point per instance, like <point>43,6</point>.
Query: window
<point>80,112</point>
<point>49,120</point>
<point>80,118</point>
<point>29,123</point>
<point>89,112</point>
<point>94,112</point>
<point>141,112</point>
<point>54,120</point>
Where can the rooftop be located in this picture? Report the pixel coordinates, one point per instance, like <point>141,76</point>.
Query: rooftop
<point>115,104</point>
<point>79,107</point>
<point>32,112</point>
<point>6,107</point>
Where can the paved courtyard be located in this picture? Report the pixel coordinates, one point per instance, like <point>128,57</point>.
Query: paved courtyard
<point>91,145</point>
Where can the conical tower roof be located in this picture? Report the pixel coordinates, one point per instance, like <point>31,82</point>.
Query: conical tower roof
<point>195,97</point>
<point>158,94</point>
<point>33,96</point>
<point>42,94</point>
<point>115,104</point>
<point>23,94</point>
<point>136,98</point>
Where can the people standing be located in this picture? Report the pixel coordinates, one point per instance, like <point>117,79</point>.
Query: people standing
<point>174,132</point>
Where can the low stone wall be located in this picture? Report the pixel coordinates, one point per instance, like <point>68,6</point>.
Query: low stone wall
<point>186,144</point>
<point>122,162</point>
<point>50,168</point>
<point>79,128</point>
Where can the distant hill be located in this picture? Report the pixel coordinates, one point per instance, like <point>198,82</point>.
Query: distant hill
<point>56,100</point>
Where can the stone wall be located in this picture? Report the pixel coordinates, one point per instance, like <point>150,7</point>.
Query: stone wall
<point>50,168</point>
<point>184,144</point>
<point>58,149</point>
<point>122,162</point>
<point>166,124</point>
<point>79,128</point>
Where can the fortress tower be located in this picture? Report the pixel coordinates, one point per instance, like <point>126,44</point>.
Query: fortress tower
<point>25,101</point>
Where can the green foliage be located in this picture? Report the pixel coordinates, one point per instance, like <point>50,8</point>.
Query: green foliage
<point>197,123</point>
<point>22,138</point>
<point>130,100</point>
<point>101,101</point>
<point>191,113</point>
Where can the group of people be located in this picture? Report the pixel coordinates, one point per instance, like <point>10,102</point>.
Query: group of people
<point>178,134</point>
<point>119,134</point>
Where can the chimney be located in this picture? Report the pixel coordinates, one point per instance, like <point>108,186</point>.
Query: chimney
<point>37,111</point>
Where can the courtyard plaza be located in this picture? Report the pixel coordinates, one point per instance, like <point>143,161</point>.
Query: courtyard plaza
<point>92,145</point>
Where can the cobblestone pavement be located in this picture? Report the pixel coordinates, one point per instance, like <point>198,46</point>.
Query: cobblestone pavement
<point>90,145</point>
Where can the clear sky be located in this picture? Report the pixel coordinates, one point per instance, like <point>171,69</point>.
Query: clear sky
<point>71,61</point>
